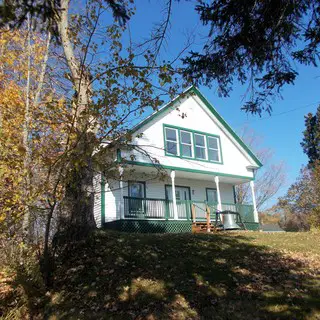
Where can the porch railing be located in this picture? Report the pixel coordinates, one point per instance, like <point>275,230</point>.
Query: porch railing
<point>147,208</point>
<point>245,210</point>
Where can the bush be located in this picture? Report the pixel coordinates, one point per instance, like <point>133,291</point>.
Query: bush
<point>314,219</point>
<point>295,223</point>
<point>22,291</point>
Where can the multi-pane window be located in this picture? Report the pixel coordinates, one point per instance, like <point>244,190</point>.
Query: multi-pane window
<point>212,195</point>
<point>192,144</point>
<point>200,146</point>
<point>171,141</point>
<point>186,144</point>
<point>136,189</point>
<point>213,149</point>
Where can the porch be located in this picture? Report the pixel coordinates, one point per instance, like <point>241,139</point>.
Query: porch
<point>190,210</point>
<point>141,202</point>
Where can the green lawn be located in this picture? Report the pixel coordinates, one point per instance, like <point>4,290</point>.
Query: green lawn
<point>248,275</point>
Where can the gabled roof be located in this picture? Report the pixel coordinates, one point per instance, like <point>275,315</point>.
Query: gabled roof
<point>195,91</point>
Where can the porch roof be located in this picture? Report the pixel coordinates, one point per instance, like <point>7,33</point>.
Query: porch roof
<point>187,173</point>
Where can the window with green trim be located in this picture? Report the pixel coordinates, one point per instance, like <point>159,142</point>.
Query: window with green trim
<point>200,146</point>
<point>213,149</point>
<point>171,141</point>
<point>186,143</point>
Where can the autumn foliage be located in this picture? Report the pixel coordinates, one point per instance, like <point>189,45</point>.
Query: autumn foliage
<point>25,183</point>
<point>13,74</point>
<point>300,206</point>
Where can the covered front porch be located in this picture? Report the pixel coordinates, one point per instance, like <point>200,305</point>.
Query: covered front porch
<point>181,197</point>
<point>163,209</point>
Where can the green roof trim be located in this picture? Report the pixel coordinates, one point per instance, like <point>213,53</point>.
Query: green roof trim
<point>160,111</point>
<point>148,164</point>
<point>196,91</point>
<point>226,126</point>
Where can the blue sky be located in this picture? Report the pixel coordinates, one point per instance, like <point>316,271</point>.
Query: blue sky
<point>282,131</point>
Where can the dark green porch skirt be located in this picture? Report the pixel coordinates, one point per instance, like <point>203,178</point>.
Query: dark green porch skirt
<point>158,226</point>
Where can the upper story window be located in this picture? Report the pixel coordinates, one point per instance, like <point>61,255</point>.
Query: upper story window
<point>184,143</point>
<point>171,136</point>
<point>213,149</point>
<point>200,146</point>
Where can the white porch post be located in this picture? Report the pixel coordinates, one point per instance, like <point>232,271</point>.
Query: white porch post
<point>121,192</point>
<point>216,180</point>
<point>255,211</point>
<point>174,200</point>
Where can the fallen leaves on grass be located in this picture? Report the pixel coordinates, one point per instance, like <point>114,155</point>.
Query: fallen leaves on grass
<point>185,276</point>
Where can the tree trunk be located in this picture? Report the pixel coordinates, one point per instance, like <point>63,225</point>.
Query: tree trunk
<point>79,188</point>
<point>48,257</point>
<point>26,144</point>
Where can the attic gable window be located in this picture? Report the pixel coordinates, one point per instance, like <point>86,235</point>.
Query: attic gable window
<point>200,143</point>
<point>191,144</point>
<point>213,149</point>
<point>186,144</point>
<point>171,136</point>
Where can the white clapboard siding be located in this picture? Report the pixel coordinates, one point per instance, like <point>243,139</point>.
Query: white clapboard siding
<point>97,199</point>
<point>156,190</point>
<point>196,117</point>
<point>112,200</point>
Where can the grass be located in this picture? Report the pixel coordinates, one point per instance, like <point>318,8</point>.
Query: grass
<point>247,275</point>
<point>243,275</point>
<point>299,242</point>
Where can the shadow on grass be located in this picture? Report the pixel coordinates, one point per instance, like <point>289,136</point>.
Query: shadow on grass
<point>22,293</point>
<point>115,275</point>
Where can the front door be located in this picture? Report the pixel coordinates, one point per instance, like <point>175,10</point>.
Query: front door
<point>182,195</point>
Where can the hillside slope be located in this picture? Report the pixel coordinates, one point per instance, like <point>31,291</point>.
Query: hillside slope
<point>183,276</point>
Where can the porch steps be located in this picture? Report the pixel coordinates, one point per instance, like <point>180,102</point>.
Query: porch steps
<point>201,227</point>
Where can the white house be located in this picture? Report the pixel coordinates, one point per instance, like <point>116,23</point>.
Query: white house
<point>183,154</point>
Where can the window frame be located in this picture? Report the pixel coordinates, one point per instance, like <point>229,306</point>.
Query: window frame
<point>207,198</point>
<point>193,144</point>
<point>131,182</point>
<point>181,144</point>
<point>177,142</point>
<point>218,148</point>
<point>205,147</point>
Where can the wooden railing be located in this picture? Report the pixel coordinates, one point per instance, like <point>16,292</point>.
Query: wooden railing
<point>246,212</point>
<point>147,208</point>
<point>207,214</point>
